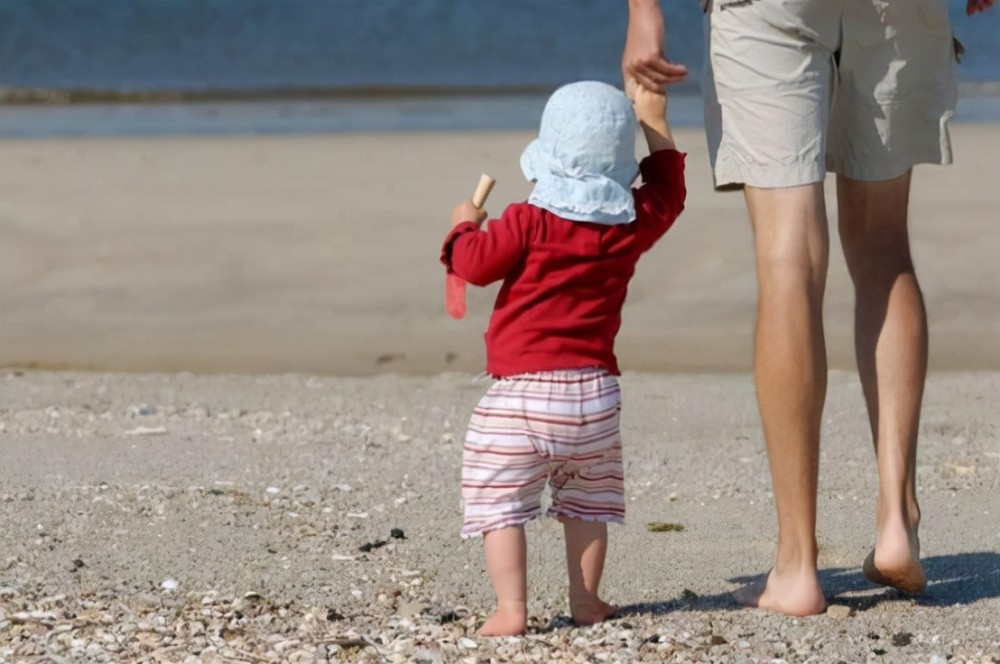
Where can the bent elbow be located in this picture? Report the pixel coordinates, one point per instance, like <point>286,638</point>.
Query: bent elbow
<point>478,278</point>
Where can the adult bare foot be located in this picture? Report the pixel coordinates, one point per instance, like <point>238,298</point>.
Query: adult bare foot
<point>505,622</point>
<point>797,594</point>
<point>895,561</point>
<point>591,612</point>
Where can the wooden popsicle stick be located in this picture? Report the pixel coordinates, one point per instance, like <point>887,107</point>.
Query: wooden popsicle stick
<point>454,287</point>
<point>483,190</point>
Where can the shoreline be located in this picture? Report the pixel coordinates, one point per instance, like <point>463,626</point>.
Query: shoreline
<point>343,112</point>
<point>71,96</point>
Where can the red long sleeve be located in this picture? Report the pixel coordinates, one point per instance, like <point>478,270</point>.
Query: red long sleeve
<point>660,200</point>
<point>484,256</point>
<point>564,282</point>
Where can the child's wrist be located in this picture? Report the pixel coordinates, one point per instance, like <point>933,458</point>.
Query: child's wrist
<point>657,124</point>
<point>658,136</point>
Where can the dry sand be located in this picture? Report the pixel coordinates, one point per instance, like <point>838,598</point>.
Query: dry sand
<point>319,254</point>
<point>138,510</point>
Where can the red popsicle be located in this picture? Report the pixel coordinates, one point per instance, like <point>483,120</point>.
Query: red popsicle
<point>454,288</point>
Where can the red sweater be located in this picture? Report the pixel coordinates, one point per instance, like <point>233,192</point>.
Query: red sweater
<point>564,282</point>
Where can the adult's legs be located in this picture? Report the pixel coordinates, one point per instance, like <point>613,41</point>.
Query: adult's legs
<point>792,247</point>
<point>890,336</point>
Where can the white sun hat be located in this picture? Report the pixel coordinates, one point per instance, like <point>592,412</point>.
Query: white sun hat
<point>583,161</point>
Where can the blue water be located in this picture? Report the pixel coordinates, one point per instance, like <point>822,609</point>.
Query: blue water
<point>310,46</point>
<point>503,112</point>
<point>197,45</point>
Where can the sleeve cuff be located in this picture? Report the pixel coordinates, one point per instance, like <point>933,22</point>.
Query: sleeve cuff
<point>449,241</point>
<point>661,165</point>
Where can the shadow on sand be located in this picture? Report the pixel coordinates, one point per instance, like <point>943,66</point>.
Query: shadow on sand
<point>957,579</point>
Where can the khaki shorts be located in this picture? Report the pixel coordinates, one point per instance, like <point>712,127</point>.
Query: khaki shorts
<point>794,88</point>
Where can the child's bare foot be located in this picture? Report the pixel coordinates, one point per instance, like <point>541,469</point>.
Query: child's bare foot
<point>506,621</point>
<point>591,612</point>
<point>797,594</point>
<point>895,561</point>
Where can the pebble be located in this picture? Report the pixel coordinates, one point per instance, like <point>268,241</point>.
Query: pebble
<point>22,617</point>
<point>839,611</point>
<point>409,609</point>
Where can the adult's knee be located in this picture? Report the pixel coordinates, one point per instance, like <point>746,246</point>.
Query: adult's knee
<point>791,237</point>
<point>873,223</point>
<point>878,254</point>
<point>791,272</point>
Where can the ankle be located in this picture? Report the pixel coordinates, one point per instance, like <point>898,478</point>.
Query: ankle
<point>799,559</point>
<point>583,599</point>
<point>895,511</point>
<point>584,590</point>
<point>512,607</point>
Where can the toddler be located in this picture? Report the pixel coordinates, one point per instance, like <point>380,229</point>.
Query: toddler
<point>565,257</point>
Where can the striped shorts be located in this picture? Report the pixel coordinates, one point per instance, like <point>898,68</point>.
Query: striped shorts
<point>555,428</point>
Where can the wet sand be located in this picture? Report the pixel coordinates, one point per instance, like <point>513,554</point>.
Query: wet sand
<point>319,255</point>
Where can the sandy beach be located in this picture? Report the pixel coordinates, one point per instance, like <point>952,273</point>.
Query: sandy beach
<point>319,255</point>
<point>220,518</point>
<point>232,407</point>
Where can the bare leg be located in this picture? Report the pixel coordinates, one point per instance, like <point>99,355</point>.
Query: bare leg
<point>792,245</point>
<point>890,336</point>
<point>507,564</point>
<point>586,548</point>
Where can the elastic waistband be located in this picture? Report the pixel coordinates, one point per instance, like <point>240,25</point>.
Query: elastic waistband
<point>560,375</point>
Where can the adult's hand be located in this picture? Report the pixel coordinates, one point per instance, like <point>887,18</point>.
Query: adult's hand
<point>642,58</point>
<point>974,6</point>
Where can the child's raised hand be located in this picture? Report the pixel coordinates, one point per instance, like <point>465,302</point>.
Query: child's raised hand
<point>631,85</point>
<point>651,111</point>
<point>650,107</point>
<point>466,211</point>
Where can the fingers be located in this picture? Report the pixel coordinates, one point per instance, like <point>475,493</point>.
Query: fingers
<point>631,86</point>
<point>671,72</point>
<point>467,211</point>
<point>657,74</point>
<point>649,82</point>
